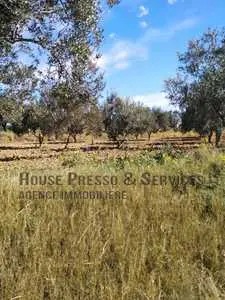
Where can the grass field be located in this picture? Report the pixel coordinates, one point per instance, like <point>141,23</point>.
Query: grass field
<point>164,240</point>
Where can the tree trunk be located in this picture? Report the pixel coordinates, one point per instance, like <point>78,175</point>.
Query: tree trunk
<point>149,135</point>
<point>4,126</point>
<point>210,136</point>
<point>40,139</point>
<point>120,143</point>
<point>218,136</point>
<point>67,141</point>
<point>92,140</point>
<point>56,136</point>
<point>75,138</point>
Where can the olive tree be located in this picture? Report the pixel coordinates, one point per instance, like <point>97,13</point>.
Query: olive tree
<point>198,88</point>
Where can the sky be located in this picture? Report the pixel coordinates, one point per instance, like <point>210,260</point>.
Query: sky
<point>142,38</point>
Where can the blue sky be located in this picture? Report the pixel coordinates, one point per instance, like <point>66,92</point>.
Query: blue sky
<point>142,38</point>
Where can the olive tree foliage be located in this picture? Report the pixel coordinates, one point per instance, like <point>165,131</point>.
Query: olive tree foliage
<point>65,110</point>
<point>77,125</point>
<point>147,120</point>
<point>155,119</point>
<point>198,88</point>
<point>49,46</point>
<point>50,25</point>
<point>161,120</point>
<point>116,116</point>
<point>37,119</point>
<point>94,121</point>
<point>174,118</point>
<point>85,118</point>
<point>8,110</point>
<point>139,119</point>
<point>65,33</point>
<point>123,117</point>
<point>151,126</point>
<point>17,85</point>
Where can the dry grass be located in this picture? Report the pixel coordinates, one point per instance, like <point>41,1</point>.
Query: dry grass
<point>161,242</point>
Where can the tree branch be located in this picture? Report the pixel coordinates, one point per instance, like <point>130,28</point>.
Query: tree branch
<point>21,40</point>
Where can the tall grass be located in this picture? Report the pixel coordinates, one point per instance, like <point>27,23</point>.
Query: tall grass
<point>162,242</point>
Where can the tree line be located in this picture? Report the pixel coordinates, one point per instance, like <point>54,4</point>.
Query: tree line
<point>49,78</point>
<point>117,117</point>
